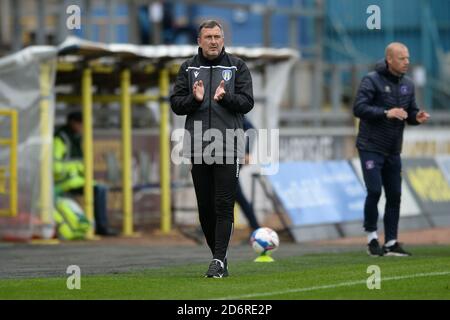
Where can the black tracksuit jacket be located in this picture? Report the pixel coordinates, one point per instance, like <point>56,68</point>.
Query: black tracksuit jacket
<point>380,90</point>
<point>225,114</point>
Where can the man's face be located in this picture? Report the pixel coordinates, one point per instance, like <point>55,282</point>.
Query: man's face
<point>398,60</point>
<point>211,42</point>
<point>77,127</point>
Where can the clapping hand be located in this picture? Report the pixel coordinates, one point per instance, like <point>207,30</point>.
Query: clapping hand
<point>220,91</point>
<point>198,90</point>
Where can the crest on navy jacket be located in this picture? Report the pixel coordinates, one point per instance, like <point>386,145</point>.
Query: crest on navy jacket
<point>404,89</point>
<point>227,74</point>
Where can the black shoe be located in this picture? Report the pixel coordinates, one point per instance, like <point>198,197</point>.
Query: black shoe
<point>216,269</point>
<point>395,250</point>
<point>374,249</point>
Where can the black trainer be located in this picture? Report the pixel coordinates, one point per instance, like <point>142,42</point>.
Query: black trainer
<point>395,250</point>
<point>374,249</point>
<point>216,269</point>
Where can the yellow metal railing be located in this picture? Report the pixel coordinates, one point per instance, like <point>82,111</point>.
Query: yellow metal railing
<point>126,153</point>
<point>45,203</point>
<point>3,189</point>
<point>13,182</point>
<point>86,94</point>
<point>126,99</point>
<point>164,149</point>
<point>108,98</point>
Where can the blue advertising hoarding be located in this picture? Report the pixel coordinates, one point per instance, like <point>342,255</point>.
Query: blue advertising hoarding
<point>319,192</point>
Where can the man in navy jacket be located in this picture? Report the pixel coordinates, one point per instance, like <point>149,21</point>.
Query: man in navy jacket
<point>385,101</point>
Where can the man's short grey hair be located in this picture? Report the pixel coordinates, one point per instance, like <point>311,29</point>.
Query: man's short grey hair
<point>393,45</point>
<point>209,24</point>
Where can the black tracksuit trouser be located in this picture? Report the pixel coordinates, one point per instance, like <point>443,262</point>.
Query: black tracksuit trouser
<point>382,171</point>
<point>215,187</point>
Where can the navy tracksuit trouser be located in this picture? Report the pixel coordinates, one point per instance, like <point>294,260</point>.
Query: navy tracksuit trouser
<point>382,171</point>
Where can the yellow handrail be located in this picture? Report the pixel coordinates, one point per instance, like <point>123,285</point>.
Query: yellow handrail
<point>45,204</point>
<point>108,98</point>
<point>13,183</point>
<point>86,93</point>
<point>164,147</point>
<point>13,164</point>
<point>126,153</point>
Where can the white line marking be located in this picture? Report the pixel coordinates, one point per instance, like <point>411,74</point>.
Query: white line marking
<point>332,286</point>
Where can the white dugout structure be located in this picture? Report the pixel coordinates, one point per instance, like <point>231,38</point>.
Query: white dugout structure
<point>28,83</point>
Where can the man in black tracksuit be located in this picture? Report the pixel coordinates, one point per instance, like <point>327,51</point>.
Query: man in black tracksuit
<point>214,90</point>
<point>384,102</point>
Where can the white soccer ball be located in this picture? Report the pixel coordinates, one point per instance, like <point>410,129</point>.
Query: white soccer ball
<point>264,240</point>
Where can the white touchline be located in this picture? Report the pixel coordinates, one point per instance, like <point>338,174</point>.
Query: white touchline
<point>332,286</point>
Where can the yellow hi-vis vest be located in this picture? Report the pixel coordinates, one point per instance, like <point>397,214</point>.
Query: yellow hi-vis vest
<point>68,174</point>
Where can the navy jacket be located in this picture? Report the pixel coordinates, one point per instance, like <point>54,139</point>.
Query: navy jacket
<point>380,90</point>
<point>228,113</point>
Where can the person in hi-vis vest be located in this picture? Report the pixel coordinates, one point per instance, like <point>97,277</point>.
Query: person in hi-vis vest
<point>68,170</point>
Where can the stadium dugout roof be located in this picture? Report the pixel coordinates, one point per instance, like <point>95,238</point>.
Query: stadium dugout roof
<point>75,53</point>
<point>89,73</point>
<point>142,60</point>
<point>76,46</point>
<point>27,55</point>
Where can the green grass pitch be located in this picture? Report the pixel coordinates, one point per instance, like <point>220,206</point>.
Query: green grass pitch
<point>425,275</point>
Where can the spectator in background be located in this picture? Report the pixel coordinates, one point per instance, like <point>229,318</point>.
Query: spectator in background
<point>384,103</point>
<point>68,170</point>
<point>172,30</point>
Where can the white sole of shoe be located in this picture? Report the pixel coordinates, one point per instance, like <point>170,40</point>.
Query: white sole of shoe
<point>219,276</point>
<point>396,254</point>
